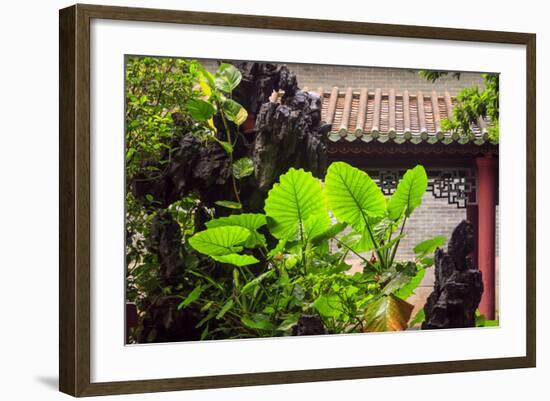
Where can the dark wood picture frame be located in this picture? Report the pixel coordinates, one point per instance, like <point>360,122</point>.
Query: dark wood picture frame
<point>74,203</point>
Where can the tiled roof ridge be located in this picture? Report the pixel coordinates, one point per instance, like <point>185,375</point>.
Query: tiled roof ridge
<point>397,115</point>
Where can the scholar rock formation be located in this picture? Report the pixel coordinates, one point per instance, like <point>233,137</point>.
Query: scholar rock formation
<point>458,286</point>
<point>163,322</point>
<point>165,243</point>
<point>309,325</point>
<point>289,134</point>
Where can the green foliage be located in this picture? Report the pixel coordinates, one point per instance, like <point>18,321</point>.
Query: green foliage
<point>433,76</point>
<point>428,246</point>
<point>223,244</point>
<point>353,196</point>
<point>229,204</point>
<point>249,221</point>
<point>243,168</point>
<point>409,192</point>
<point>328,305</point>
<point>482,321</point>
<point>236,259</point>
<point>297,199</point>
<point>473,104</point>
<point>155,87</point>
<point>300,275</point>
<point>227,78</point>
<point>418,318</point>
<point>217,90</point>
<point>234,111</point>
<point>192,297</point>
<point>200,110</point>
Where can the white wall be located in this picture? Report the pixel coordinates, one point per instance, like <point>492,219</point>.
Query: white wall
<point>28,197</point>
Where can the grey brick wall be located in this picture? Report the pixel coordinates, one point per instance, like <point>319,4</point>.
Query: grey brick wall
<point>434,217</point>
<point>327,76</point>
<point>313,76</point>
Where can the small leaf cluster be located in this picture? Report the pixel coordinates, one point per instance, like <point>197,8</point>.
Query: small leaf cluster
<point>472,104</point>
<point>155,88</point>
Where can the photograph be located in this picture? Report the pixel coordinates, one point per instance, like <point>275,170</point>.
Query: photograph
<point>276,199</point>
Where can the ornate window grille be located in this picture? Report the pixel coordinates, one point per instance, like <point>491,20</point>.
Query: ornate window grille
<point>458,186</point>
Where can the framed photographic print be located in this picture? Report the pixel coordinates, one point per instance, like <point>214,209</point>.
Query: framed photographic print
<point>250,200</point>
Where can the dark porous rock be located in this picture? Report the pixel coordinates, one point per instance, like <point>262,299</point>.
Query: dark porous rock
<point>309,325</point>
<point>212,173</point>
<point>172,179</point>
<point>192,166</point>
<point>458,286</point>
<point>259,80</point>
<point>165,242</point>
<point>163,322</point>
<point>289,134</point>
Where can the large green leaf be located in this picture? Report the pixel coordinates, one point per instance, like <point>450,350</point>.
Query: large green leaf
<point>329,233</point>
<point>251,221</point>
<point>291,202</point>
<point>197,69</point>
<point>352,195</point>
<point>289,322</point>
<point>225,308</point>
<point>407,290</point>
<point>357,242</point>
<point>234,111</point>
<point>316,225</point>
<point>429,246</point>
<point>200,110</point>
<point>402,279</point>
<point>229,204</point>
<point>388,313</point>
<point>252,284</point>
<point>243,168</point>
<point>329,305</point>
<point>258,321</point>
<point>236,259</point>
<point>418,318</point>
<point>409,192</point>
<point>220,240</point>
<point>192,297</point>
<point>227,77</point>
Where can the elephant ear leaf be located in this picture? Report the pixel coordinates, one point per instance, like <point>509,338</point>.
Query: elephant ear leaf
<point>352,195</point>
<point>236,259</point>
<point>251,221</point>
<point>292,201</point>
<point>409,192</point>
<point>223,244</point>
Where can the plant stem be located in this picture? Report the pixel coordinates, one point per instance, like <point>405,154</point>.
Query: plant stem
<point>375,243</point>
<point>228,133</point>
<point>394,251</point>
<point>351,250</point>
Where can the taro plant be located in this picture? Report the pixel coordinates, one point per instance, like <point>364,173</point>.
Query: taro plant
<point>291,261</point>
